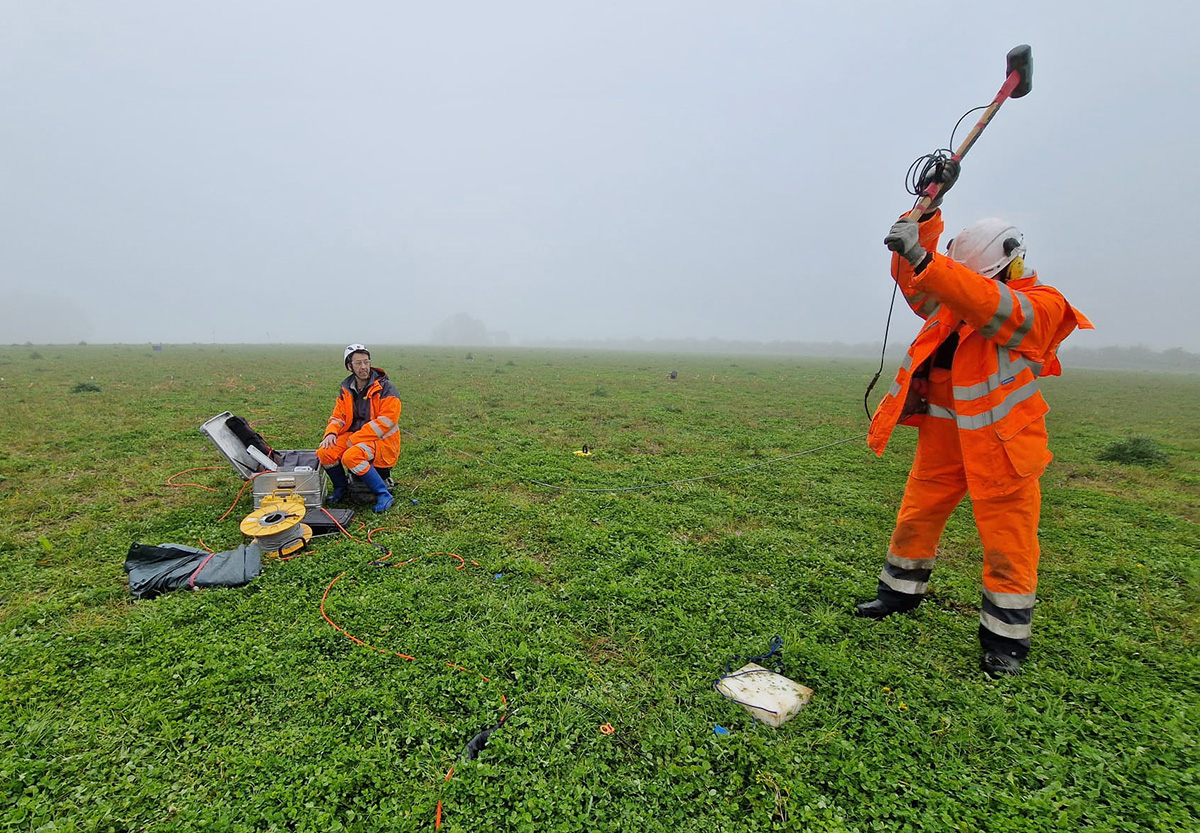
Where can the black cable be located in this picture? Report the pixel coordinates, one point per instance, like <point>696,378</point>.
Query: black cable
<point>928,168</point>
<point>882,352</point>
<point>963,116</point>
<point>776,646</point>
<point>616,735</point>
<point>924,170</point>
<point>480,741</point>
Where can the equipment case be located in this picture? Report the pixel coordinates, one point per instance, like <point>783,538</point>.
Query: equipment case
<point>297,471</point>
<point>305,479</point>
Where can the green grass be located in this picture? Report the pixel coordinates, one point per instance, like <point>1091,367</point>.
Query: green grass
<point>1141,451</point>
<point>243,709</point>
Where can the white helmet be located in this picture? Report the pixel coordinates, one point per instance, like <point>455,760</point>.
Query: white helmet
<point>351,349</point>
<point>987,246</point>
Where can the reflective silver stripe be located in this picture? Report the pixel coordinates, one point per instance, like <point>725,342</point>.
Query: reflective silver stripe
<point>361,467</point>
<point>894,390</point>
<point>970,392</point>
<point>367,450</point>
<point>1002,314</point>
<point>1010,601</point>
<point>910,563</point>
<point>925,306</point>
<point>912,588</point>
<point>385,421</point>
<point>999,628</point>
<point>1007,370</point>
<point>339,423</point>
<point>941,413</point>
<point>383,435</point>
<point>1019,334</point>
<point>1014,398</point>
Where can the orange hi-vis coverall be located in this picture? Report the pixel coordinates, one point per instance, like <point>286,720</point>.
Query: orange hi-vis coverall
<point>367,425</point>
<point>969,384</point>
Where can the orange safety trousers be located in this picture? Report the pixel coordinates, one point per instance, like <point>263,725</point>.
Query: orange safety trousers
<point>1007,524</point>
<point>358,457</point>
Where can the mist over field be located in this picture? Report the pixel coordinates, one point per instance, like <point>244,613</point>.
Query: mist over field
<point>542,173</point>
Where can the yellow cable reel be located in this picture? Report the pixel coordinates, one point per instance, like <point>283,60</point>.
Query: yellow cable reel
<point>276,524</point>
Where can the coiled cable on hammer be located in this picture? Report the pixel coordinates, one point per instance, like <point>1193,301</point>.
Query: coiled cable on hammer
<point>926,169</point>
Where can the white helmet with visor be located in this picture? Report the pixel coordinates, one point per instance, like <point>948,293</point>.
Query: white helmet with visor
<point>987,246</point>
<point>351,349</point>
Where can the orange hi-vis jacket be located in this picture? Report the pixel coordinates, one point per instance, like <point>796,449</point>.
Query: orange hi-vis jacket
<point>381,433</point>
<point>1008,337</point>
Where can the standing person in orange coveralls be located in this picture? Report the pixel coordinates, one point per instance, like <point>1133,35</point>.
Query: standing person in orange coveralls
<point>363,431</point>
<point>969,383</point>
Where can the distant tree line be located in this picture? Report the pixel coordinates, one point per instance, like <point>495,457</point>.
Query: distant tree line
<point>1131,358</point>
<point>721,346</point>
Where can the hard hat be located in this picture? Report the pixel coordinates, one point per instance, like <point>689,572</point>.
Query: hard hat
<point>351,349</point>
<point>987,246</point>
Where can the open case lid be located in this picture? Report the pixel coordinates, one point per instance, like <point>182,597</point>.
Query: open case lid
<point>230,445</point>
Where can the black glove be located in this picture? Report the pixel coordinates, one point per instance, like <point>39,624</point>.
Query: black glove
<point>904,238</point>
<point>945,173</point>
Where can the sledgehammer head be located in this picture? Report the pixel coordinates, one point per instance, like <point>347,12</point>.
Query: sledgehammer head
<point>1020,61</point>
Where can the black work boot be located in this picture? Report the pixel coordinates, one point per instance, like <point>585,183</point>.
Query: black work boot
<point>998,664</point>
<point>878,608</point>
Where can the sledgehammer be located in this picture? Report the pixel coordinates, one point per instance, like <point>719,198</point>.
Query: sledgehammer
<point>1018,82</point>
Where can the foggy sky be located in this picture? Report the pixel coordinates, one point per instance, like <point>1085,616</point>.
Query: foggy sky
<point>363,171</point>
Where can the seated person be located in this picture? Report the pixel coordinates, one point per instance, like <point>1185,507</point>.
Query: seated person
<point>364,430</point>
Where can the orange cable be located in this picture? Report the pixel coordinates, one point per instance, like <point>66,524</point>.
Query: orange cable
<point>437,824</point>
<point>347,633</point>
<point>324,596</point>
<point>197,485</point>
<point>239,496</point>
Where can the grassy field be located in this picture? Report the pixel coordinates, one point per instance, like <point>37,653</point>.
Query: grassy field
<point>244,709</point>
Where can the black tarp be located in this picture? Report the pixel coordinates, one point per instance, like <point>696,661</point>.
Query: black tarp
<point>154,570</point>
